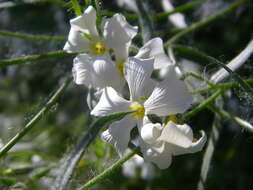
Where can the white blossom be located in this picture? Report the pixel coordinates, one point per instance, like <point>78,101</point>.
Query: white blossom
<point>146,97</point>
<point>160,143</point>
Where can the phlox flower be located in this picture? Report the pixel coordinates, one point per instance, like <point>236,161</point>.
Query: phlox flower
<point>160,143</point>
<point>146,97</point>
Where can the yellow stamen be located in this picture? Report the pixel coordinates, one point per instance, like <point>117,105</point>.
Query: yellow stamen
<point>120,67</point>
<point>172,118</point>
<point>138,108</point>
<point>98,48</point>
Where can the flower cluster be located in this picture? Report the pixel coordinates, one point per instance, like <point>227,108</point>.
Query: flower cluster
<point>126,84</point>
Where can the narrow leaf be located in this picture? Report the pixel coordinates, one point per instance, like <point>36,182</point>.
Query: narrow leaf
<point>74,157</point>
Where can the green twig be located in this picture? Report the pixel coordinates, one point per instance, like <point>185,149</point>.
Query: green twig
<point>145,21</point>
<point>74,157</point>
<point>225,85</point>
<point>208,155</point>
<point>246,125</point>
<point>108,172</point>
<point>35,119</point>
<point>203,104</point>
<point>32,37</point>
<point>76,7</point>
<point>215,61</point>
<point>204,22</point>
<point>179,9</point>
<point>32,58</point>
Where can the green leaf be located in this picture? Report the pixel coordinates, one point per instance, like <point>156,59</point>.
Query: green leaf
<point>74,157</point>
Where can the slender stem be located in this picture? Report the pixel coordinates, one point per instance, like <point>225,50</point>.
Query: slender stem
<point>246,125</point>
<point>76,7</point>
<point>208,155</point>
<point>182,8</point>
<point>215,61</point>
<point>235,64</point>
<point>32,37</point>
<point>204,22</point>
<point>35,119</point>
<point>10,4</point>
<point>32,58</point>
<point>69,165</point>
<point>203,104</point>
<point>222,85</point>
<point>106,173</point>
<point>145,21</point>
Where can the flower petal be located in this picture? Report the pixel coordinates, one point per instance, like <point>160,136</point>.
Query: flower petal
<point>82,70</point>
<point>76,42</point>
<point>154,48</point>
<point>86,23</point>
<point>118,35</point>
<point>97,71</point>
<point>109,103</point>
<point>118,133</point>
<point>169,97</point>
<point>106,74</point>
<point>158,155</point>
<point>150,132</point>
<point>179,139</point>
<point>137,74</point>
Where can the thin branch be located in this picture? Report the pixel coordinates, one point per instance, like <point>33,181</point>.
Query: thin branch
<point>32,37</point>
<point>35,119</point>
<point>179,9</point>
<point>108,172</point>
<point>32,58</point>
<point>204,22</point>
<point>235,64</point>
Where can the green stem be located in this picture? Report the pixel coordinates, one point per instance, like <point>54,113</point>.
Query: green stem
<point>215,61</point>
<point>35,119</point>
<point>32,37</point>
<point>32,58</point>
<point>225,85</point>
<point>246,125</point>
<point>182,8</point>
<point>203,104</point>
<point>106,173</point>
<point>76,7</point>
<point>145,21</point>
<point>204,22</point>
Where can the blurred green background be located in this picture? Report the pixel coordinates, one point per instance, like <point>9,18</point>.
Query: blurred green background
<point>34,162</point>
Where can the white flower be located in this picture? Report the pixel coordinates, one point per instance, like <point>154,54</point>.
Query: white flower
<point>129,168</point>
<point>97,72</point>
<point>160,143</point>
<point>154,48</point>
<point>116,34</point>
<point>146,97</point>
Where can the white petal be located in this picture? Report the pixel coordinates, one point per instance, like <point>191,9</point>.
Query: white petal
<point>118,35</point>
<point>76,42</point>
<point>169,97</point>
<point>118,133</point>
<point>180,135</point>
<point>158,155</point>
<point>82,70</point>
<point>97,71</point>
<point>106,74</point>
<point>179,139</point>
<point>150,132</point>
<point>137,74</point>
<point>86,23</point>
<point>109,103</point>
<point>154,48</point>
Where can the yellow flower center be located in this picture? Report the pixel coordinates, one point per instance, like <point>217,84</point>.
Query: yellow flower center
<point>98,48</point>
<point>172,118</point>
<point>138,108</point>
<point>120,67</point>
